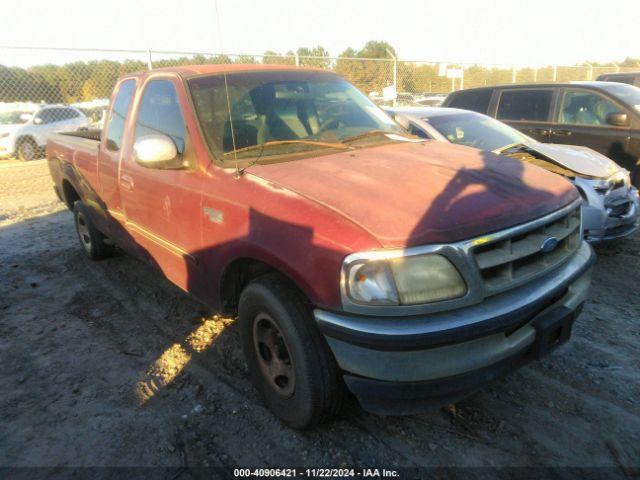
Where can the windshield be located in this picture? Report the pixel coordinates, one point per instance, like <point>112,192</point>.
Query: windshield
<point>626,93</point>
<point>13,118</point>
<point>284,111</point>
<point>475,130</point>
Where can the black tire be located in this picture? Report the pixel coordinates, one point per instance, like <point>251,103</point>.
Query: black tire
<point>27,150</point>
<point>318,391</point>
<point>94,243</point>
<point>635,175</point>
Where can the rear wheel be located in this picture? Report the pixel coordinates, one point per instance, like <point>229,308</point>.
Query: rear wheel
<point>93,242</point>
<point>27,150</point>
<point>290,363</point>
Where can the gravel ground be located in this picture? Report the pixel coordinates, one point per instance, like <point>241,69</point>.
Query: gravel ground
<point>107,364</point>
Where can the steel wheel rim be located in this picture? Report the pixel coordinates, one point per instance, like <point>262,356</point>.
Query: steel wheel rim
<point>272,354</point>
<point>83,232</point>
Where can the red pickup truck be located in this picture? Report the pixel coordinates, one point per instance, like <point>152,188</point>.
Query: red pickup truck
<point>353,254</point>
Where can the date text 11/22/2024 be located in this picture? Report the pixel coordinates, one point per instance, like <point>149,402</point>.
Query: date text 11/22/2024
<point>315,473</point>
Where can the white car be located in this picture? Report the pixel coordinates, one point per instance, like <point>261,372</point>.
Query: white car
<point>24,131</point>
<point>610,204</point>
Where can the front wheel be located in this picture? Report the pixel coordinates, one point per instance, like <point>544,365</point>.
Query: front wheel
<point>290,363</point>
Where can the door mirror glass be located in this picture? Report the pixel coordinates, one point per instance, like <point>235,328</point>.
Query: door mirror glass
<point>157,151</point>
<point>618,119</point>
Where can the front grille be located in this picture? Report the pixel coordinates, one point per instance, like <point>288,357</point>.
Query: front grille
<point>620,210</point>
<point>509,262</point>
<point>618,207</point>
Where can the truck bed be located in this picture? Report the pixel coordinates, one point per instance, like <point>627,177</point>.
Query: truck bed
<point>79,152</point>
<point>91,134</point>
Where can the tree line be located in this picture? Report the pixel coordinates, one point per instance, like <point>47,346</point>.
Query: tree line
<point>83,81</point>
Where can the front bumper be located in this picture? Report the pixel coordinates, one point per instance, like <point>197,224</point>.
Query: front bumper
<point>405,365</point>
<point>602,223</point>
<point>6,147</point>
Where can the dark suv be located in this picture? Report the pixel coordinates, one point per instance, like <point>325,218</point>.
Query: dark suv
<point>630,78</point>
<point>604,116</point>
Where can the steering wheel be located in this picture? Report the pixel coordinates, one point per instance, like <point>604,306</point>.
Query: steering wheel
<point>332,122</point>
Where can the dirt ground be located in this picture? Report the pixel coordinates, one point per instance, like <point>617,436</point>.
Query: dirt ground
<point>107,364</point>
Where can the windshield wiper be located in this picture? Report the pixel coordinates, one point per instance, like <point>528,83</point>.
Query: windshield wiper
<point>370,133</point>
<point>271,143</point>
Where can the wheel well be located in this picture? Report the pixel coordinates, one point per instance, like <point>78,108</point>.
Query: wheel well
<point>69,193</point>
<point>237,276</point>
<point>25,138</point>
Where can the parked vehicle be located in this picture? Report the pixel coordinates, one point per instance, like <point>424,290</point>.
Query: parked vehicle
<point>630,78</point>
<point>23,133</point>
<point>604,116</point>
<point>610,205</point>
<point>351,252</point>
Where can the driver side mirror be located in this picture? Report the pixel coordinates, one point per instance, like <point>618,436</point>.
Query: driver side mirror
<point>618,119</point>
<point>157,151</point>
<point>37,121</point>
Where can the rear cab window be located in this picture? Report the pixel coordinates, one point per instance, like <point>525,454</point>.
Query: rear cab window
<point>525,105</point>
<point>475,100</point>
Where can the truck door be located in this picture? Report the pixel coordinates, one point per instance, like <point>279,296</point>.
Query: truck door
<point>163,206</point>
<point>111,148</point>
<point>527,110</point>
<point>582,120</point>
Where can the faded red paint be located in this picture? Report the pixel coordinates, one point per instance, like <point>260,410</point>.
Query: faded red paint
<point>301,217</point>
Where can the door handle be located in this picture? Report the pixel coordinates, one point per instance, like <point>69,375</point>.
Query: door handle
<point>563,133</point>
<point>539,131</point>
<point>126,182</point>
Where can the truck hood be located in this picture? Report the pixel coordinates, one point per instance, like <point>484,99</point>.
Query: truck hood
<point>407,194</point>
<point>581,160</point>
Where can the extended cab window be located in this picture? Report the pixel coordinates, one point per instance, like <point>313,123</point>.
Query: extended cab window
<point>119,112</point>
<point>531,105</point>
<point>160,112</point>
<point>581,107</point>
<point>475,100</point>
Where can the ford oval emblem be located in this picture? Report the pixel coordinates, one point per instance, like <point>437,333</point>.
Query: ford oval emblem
<point>549,244</point>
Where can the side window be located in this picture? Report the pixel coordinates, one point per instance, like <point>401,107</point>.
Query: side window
<point>121,105</point>
<point>70,113</point>
<point>160,112</point>
<point>47,116</point>
<point>525,105</point>
<point>581,107</point>
<point>620,79</point>
<point>61,114</point>
<point>475,100</point>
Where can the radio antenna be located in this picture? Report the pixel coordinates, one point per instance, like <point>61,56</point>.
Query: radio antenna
<point>226,91</point>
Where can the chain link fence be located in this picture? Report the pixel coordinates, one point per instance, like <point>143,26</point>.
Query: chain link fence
<point>66,89</point>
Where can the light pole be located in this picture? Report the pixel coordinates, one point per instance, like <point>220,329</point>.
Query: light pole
<point>395,75</point>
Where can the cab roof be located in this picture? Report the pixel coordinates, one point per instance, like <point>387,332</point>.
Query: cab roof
<point>195,70</point>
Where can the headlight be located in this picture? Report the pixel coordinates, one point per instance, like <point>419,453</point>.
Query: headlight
<point>4,135</point>
<point>409,280</point>
<point>614,181</point>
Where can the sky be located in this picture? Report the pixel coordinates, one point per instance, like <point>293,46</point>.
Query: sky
<point>506,32</point>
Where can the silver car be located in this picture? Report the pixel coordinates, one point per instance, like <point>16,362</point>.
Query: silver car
<point>610,205</point>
